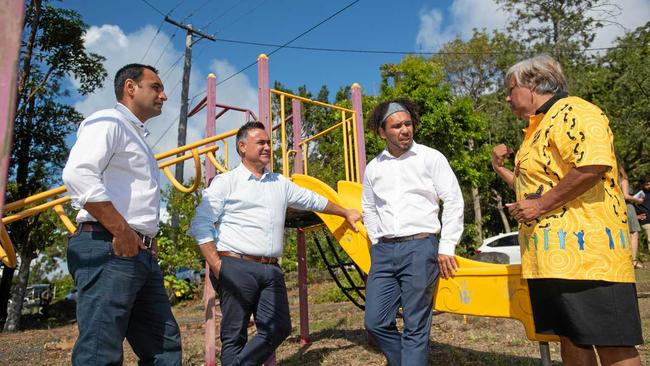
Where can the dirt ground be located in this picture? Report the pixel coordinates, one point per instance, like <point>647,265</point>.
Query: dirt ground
<point>337,337</point>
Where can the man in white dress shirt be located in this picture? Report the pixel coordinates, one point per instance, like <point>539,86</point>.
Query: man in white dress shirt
<point>112,177</point>
<point>247,206</point>
<point>402,189</point>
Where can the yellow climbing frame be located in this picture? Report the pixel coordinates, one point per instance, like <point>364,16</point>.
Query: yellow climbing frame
<point>479,289</point>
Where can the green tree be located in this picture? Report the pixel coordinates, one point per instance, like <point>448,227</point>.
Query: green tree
<point>447,123</point>
<point>563,28</point>
<point>181,251</point>
<point>475,69</point>
<point>52,51</point>
<point>619,83</point>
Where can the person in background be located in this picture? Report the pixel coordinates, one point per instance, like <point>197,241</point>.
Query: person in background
<point>632,219</point>
<point>643,208</point>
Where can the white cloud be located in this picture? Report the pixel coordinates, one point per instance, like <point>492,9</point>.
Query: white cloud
<point>634,13</point>
<point>465,15</point>
<point>119,49</point>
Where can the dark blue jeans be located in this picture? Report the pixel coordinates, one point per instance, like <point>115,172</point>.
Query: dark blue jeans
<point>402,274</point>
<point>117,298</point>
<point>247,288</point>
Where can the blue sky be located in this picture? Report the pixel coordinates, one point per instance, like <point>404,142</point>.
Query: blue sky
<point>124,30</point>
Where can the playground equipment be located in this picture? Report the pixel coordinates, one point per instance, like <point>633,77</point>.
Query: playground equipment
<point>479,289</point>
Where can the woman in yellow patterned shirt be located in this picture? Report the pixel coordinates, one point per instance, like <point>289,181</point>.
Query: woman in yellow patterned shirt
<point>572,216</point>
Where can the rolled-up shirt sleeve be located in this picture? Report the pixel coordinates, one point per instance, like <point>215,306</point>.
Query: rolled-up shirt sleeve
<point>369,209</point>
<point>449,192</point>
<point>97,141</point>
<point>209,211</point>
<point>304,199</point>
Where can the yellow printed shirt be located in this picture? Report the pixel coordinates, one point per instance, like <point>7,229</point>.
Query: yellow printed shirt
<point>588,237</point>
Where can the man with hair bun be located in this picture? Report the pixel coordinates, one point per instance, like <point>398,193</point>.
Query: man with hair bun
<point>573,229</point>
<point>402,190</point>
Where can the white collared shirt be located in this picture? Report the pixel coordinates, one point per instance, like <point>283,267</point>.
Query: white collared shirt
<point>401,197</point>
<point>245,214</point>
<point>111,161</point>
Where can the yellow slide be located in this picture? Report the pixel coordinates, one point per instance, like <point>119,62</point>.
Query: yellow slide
<point>481,289</point>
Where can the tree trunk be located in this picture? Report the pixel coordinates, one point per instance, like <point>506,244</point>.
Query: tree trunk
<point>5,292</point>
<point>478,216</point>
<point>13,318</point>
<point>504,218</point>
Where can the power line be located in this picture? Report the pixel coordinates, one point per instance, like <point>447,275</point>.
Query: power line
<point>242,16</point>
<point>219,16</point>
<point>164,133</point>
<point>348,50</point>
<point>153,7</point>
<point>279,47</point>
<point>152,39</point>
<point>158,30</point>
<point>191,14</point>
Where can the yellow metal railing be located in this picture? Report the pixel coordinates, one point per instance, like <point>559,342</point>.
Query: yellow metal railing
<point>347,124</point>
<point>43,201</point>
<point>49,199</point>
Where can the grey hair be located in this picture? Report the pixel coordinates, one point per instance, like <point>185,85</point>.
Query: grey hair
<point>541,74</point>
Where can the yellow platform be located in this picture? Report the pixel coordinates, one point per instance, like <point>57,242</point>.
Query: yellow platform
<point>480,289</point>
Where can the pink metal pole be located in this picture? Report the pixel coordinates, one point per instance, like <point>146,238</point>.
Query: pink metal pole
<point>302,249</point>
<point>263,90</point>
<point>209,297</point>
<point>265,118</point>
<point>297,134</point>
<point>11,23</point>
<point>302,288</point>
<point>361,142</point>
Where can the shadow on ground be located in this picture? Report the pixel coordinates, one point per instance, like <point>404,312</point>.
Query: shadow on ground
<point>439,353</point>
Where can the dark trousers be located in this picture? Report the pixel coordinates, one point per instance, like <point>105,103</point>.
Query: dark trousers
<point>246,288</point>
<point>402,274</point>
<point>117,298</point>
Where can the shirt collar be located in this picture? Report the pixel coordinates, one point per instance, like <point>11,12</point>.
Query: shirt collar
<point>132,118</point>
<point>243,171</point>
<point>534,120</point>
<point>549,103</point>
<point>413,150</point>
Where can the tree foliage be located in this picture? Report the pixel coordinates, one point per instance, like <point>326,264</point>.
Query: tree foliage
<point>51,51</point>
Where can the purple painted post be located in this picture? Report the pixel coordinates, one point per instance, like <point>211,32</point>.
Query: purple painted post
<point>302,249</point>
<point>211,122</point>
<point>302,288</point>
<point>361,142</point>
<point>263,90</point>
<point>209,297</point>
<point>265,117</point>
<point>11,24</point>
<point>296,125</point>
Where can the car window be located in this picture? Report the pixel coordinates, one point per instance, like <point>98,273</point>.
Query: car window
<point>507,241</point>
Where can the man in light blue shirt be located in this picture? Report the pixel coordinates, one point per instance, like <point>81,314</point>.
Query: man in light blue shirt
<point>239,226</point>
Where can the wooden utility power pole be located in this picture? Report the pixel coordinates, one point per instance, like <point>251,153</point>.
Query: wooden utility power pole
<point>182,122</point>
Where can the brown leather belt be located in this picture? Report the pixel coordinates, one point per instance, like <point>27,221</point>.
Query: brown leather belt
<point>400,239</point>
<point>250,258</point>
<point>99,228</point>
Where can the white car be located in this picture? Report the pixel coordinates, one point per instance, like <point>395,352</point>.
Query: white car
<point>507,244</point>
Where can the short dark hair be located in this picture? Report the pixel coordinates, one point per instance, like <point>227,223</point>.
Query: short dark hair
<point>130,71</point>
<point>242,133</point>
<point>376,119</point>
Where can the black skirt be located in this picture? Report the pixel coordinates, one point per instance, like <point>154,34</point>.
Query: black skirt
<point>595,313</point>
